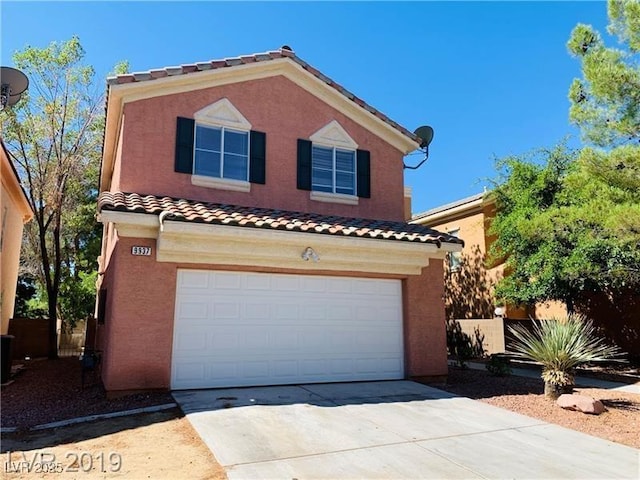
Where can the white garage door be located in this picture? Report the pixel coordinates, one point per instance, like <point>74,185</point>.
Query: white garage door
<point>238,329</point>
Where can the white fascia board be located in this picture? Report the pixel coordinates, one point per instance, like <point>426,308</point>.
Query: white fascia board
<point>129,224</point>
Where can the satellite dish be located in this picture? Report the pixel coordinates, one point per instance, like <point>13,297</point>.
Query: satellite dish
<point>13,99</point>
<point>13,83</point>
<point>425,134</point>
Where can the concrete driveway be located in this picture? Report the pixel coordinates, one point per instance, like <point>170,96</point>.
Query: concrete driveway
<point>394,430</point>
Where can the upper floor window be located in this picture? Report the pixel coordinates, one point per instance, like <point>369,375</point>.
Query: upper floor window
<point>219,149</point>
<point>332,167</point>
<point>333,170</point>
<point>221,153</point>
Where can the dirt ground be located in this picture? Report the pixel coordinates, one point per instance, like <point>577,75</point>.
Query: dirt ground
<point>620,423</point>
<point>50,390</point>
<point>159,445</point>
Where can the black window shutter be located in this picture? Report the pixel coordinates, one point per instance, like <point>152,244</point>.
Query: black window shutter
<point>257,162</point>
<point>364,173</point>
<point>184,145</point>
<point>304,164</point>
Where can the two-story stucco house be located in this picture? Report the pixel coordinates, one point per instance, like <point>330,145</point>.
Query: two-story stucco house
<point>254,233</point>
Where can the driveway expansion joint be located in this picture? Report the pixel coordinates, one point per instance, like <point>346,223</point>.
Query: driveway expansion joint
<point>416,441</point>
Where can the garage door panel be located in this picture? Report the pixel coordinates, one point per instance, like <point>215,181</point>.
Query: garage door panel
<point>193,341</point>
<point>194,279</point>
<point>258,283</point>
<point>285,283</point>
<point>261,329</point>
<point>222,340</point>
<point>195,308</point>
<point>222,371</point>
<point>313,284</point>
<point>226,281</point>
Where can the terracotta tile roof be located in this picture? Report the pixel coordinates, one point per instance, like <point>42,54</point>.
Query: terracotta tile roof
<point>284,52</point>
<point>232,215</point>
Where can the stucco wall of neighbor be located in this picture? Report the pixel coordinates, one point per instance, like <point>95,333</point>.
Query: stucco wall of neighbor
<point>276,106</point>
<point>486,334</point>
<point>14,212</point>
<point>424,323</point>
<point>9,254</point>
<point>469,290</point>
<point>551,309</point>
<point>471,230</point>
<point>473,285</point>
<point>138,331</point>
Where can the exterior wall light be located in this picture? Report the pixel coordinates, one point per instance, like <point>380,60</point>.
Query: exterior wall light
<point>310,254</point>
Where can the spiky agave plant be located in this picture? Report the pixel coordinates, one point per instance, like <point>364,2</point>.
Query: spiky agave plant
<point>560,345</point>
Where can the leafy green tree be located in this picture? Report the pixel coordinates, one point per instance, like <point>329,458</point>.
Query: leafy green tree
<point>568,225</point>
<point>605,103</point>
<point>527,237</point>
<point>54,135</point>
<point>568,222</point>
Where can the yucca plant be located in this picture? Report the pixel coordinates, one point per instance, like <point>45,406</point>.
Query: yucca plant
<point>560,345</point>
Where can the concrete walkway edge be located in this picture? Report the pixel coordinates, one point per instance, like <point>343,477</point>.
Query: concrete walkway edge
<point>581,381</point>
<point>90,418</point>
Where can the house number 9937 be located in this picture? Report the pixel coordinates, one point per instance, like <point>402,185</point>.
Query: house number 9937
<point>138,250</point>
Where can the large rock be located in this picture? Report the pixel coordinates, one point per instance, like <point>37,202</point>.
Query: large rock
<point>581,403</point>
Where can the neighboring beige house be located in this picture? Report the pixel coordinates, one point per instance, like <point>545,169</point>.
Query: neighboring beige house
<point>469,277</point>
<point>15,212</point>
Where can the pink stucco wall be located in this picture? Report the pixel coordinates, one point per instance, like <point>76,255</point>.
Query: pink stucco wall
<point>276,106</point>
<point>424,323</point>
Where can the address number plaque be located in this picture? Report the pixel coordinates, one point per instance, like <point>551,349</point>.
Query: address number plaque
<point>138,250</point>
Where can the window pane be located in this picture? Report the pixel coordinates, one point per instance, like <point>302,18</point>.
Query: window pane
<point>345,180</point>
<point>235,167</point>
<point>208,138</point>
<point>322,158</point>
<point>321,188</point>
<point>345,183</point>
<point>345,191</point>
<point>236,142</point>
<point>345,161</point>
<point>455,261</point>
<point>322,177</point>
<point>207,163</point>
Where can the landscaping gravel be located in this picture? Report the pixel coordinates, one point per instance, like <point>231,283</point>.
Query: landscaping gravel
<point>51,390</point>
<point>620,423</point>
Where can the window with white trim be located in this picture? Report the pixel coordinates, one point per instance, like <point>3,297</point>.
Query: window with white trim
<point>333,170</point>
<point>221,152</point>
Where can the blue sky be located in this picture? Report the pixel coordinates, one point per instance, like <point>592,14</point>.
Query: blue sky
<point>491,78</point>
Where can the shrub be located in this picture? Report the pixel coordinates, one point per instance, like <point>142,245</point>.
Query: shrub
<point>459,344</point>
<point>560,345</point>
<point>498,366</point>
